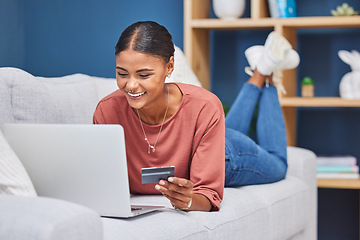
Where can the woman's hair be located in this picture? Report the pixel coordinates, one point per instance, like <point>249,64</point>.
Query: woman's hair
<point>148,38</point>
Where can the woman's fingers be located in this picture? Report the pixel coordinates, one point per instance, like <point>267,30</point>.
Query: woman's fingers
<point>174,196</point>
<point>182,182</point>
<point>178,190</point>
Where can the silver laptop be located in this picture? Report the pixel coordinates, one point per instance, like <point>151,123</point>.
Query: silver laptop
<point>85,164</point>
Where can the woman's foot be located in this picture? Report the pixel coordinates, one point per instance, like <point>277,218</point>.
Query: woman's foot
<point>290,61</point>
<point>275,48</point>
<point>274,56</point>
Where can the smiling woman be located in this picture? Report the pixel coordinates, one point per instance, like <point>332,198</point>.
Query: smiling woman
<point>144,57</point>
<point>157,117</point>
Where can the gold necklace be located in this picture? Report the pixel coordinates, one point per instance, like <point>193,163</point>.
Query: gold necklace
<point>152,147</point>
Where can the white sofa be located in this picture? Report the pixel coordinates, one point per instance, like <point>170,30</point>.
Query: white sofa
<point>282,210</point>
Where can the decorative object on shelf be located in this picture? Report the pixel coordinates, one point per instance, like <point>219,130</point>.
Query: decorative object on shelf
<point>307,87</point>
<point>287,8</point>
<point>344,10</point>
<point>229,9</point>
<point>350,82</point>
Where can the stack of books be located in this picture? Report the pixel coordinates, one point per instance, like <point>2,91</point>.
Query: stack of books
<point>282,8</point>
<point>339,167</point>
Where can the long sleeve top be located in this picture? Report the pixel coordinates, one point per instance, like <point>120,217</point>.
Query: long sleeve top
<point>192,140</point>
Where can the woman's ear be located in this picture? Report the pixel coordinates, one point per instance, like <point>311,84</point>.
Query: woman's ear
<point>170,65</point>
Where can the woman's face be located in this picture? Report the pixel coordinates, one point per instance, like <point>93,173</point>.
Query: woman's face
<point>141,78</point>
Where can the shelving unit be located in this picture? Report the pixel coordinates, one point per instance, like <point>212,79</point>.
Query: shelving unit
<point>339,183</point>
<point>197,25</point>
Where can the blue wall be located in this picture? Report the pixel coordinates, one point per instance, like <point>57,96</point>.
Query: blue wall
<point>63,36</point>
<point>11,33</point>
<point>59,37</point>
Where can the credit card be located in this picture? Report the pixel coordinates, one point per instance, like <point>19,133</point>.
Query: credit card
<point>155,174</point>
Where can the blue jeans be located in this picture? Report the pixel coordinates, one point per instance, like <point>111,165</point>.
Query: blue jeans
<point>248,162</point>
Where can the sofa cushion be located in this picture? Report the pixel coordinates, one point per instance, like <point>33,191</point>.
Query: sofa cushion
<point>40,100</point>
<point>5,103</point>
<point>68,99</point>
<point>14,179</point>
<point>164,224</point>
<point>267,211</point>
<point>287,204</point>
<point>241,214</point>
<point>39,218</point>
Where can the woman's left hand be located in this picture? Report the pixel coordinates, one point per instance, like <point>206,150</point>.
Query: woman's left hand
<point>178,190</point>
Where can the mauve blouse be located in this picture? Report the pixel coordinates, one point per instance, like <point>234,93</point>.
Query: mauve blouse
<point>192,140</point>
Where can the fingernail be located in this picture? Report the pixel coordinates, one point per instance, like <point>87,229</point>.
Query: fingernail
<point>170,179</point>
<point>157,187</point>
<point>162,182</point>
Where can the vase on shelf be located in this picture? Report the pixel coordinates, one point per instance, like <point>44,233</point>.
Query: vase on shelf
<point>229,9</point>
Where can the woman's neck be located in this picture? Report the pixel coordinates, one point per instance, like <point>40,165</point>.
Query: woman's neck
<point>155,113</point>
<point>152,116</point>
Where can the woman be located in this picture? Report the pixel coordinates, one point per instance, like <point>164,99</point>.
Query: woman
<point>183,126</point>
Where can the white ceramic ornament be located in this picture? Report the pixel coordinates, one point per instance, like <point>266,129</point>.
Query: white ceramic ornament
<point>229,9</point>
<point>350,82</point>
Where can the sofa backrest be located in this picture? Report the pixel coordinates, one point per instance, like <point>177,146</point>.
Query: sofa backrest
<point>5,98</point>
<point>69,99</point>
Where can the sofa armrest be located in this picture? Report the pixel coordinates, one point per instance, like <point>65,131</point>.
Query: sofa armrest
<point>45,218</point>
<point>302,165</point>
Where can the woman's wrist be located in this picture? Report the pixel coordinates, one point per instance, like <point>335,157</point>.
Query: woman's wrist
<point>199,203</point>
<point>188,206</point>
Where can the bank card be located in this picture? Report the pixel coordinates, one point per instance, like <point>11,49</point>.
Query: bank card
<point>155,174</point>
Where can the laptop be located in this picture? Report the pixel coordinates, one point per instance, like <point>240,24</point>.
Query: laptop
<point>84,164</point>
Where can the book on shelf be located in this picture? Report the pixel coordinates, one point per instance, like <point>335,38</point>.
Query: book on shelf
<point>337,175</point>
<point>287,8</point>
<point>337,167</point>
<point>336,160</point>
<point>273,8</point>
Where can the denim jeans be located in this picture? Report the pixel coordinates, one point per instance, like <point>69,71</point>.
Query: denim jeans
<point>248,162</point>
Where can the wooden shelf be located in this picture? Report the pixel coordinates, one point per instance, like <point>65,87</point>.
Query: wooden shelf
<point>197,24</point>
<point>339,183</point>
<point>298,22</point>
<point>318,102</point>
<point>322,22</point>
<point>241,23</point>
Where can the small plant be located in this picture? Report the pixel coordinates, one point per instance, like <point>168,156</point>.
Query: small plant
<point>344,10</point>
<point>307,87</point>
